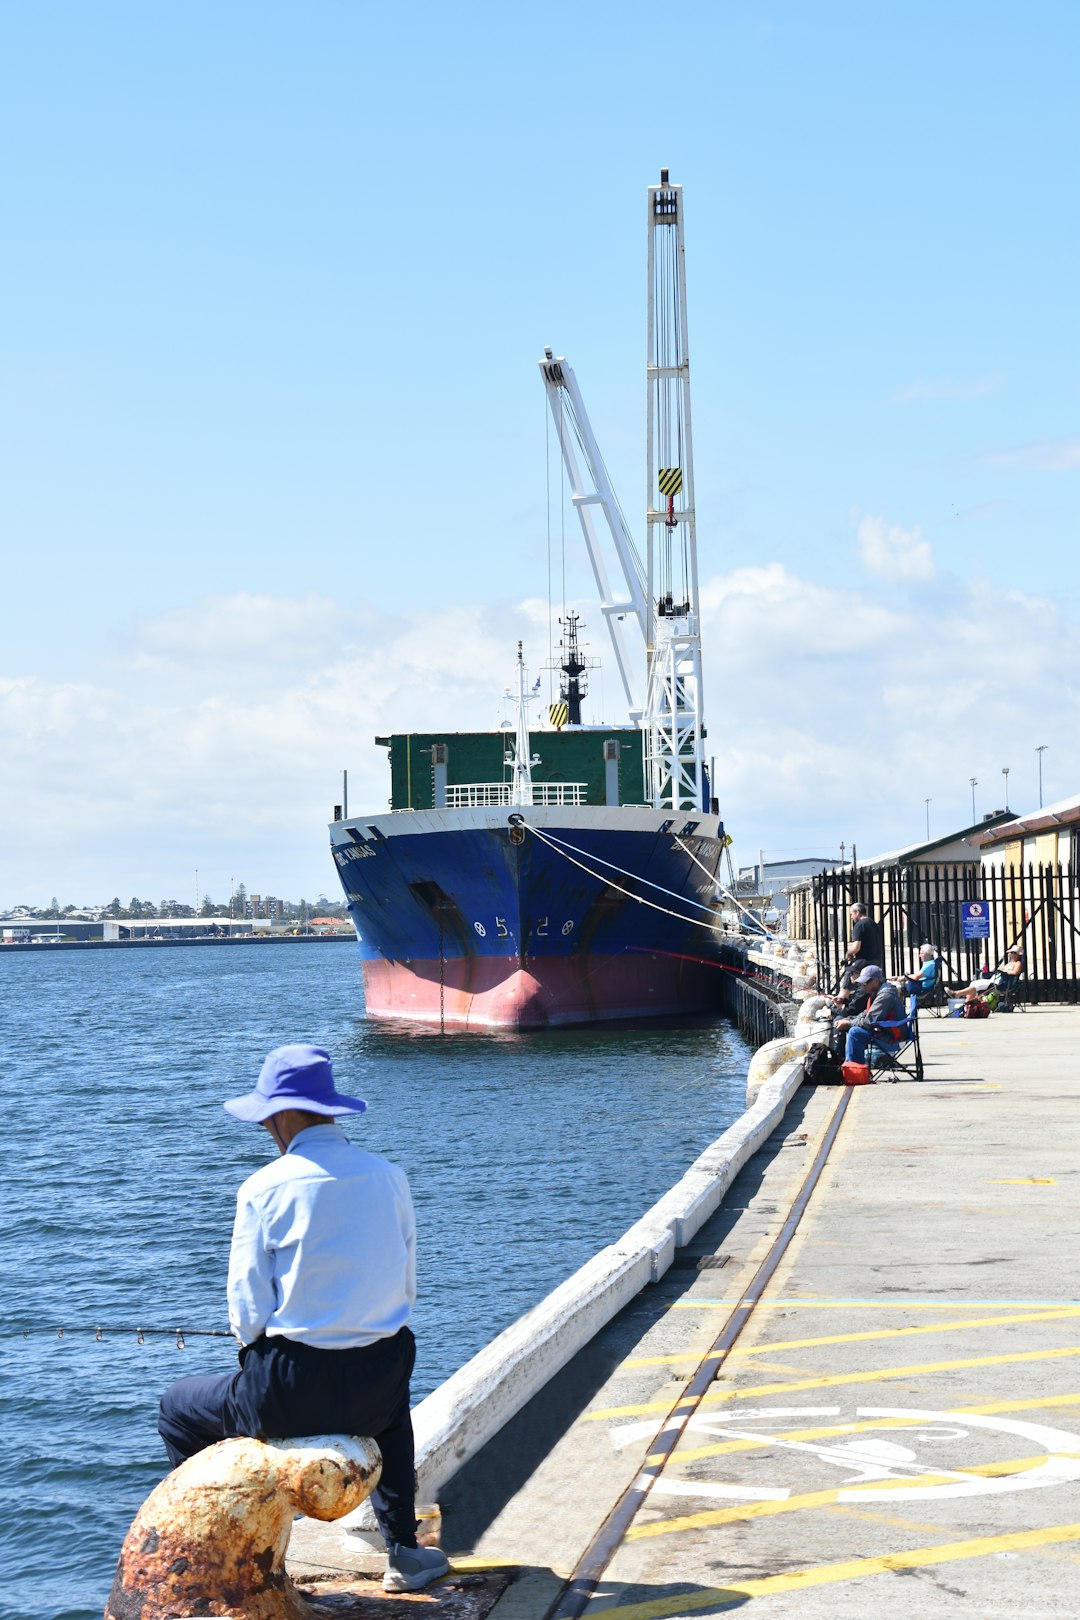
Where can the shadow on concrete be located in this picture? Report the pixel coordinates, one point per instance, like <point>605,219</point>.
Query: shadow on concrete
<point>480,1490</point>
<point>468,1597</point>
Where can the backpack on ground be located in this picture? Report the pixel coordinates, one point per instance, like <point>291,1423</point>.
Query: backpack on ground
<point>821,1066</point>
<point>977,1008</point>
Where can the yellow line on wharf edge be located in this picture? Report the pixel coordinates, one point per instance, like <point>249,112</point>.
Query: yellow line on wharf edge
<point>851,1338</point>
<point>710,1517</point>
<point>602,1414</point>
<point>724,1597</point>
<point>876,1304</point>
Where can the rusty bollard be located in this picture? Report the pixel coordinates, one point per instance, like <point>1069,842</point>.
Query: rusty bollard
<point>211,1539</point>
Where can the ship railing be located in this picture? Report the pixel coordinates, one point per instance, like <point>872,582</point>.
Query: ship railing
<point>560,793</point>
<point>475,795</point>
<point>472,795</point>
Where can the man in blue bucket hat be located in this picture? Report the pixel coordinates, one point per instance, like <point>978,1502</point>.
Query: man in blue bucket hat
<point>322,1280</point>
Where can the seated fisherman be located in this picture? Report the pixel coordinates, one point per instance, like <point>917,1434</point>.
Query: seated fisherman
<point>870,1028</point>
<point>850,999</point>
<point>921,983</point>
<point>322,1281</point>
<point>1011,969</point>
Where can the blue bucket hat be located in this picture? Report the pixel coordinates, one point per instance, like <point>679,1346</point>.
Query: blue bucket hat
<point>294,1077</point>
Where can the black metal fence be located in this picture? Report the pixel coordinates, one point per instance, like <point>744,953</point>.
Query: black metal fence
<point>1035,909</point>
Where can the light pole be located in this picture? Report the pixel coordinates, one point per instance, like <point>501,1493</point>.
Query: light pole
<point>1005,773</point>
<point>974,780</point>
<point>927,820</point>
<point>1040,750</point>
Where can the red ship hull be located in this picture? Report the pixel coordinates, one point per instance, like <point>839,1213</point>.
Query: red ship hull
<point>489,993</point>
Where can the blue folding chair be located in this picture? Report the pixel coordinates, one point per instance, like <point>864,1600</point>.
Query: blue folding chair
<point>907,1057</point>
<point>934,999</point>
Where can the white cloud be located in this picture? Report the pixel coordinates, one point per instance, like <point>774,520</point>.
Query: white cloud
<point>753,611</point>
<point>1049,455</point>
<point>219,737</point>
<point>944,390</point>
<point>892,552</point>
<point>833,711</point>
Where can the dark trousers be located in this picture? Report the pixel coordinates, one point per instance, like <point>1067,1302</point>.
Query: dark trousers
<point>285,1389</point>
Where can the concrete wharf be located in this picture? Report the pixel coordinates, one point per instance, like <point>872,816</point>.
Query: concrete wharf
<point>897,1426</point>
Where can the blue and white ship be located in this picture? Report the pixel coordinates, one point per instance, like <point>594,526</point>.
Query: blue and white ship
<point>567,875</point>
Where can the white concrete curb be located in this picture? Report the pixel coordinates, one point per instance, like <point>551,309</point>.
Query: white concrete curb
<point>464,1413</point>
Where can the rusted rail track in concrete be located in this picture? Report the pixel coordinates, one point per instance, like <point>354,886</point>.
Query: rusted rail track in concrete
<point>581,1586</point>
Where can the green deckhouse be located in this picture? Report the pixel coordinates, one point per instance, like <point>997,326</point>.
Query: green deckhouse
<point>585,765</point>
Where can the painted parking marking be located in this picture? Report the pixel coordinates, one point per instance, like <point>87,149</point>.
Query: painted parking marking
<point>733,1595</point>
<point>905,1332</point>
<point>832,1380</point>
<point>768,1349</point>
<point>630,1433</point>
<point>877,1467</point>
<point>894,1469</point>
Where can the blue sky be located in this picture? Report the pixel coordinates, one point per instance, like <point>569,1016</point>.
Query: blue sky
<point>272,440</point>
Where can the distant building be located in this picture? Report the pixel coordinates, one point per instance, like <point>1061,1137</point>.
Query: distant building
<point>954,849</point>
<point>1047,836</point>
<point>766,886</point>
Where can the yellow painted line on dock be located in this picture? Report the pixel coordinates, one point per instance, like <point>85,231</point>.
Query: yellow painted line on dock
<point>1023,1181</point>
<point>816,1499</point>
<point>851,1338</point>
<point>1030,1405</point>
<point>853,1569</point>
<point>807,1303</point>
<point>916,1370</point>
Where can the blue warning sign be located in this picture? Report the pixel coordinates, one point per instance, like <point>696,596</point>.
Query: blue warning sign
<point>974,919</point>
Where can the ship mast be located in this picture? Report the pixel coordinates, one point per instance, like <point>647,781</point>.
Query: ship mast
<point>520,757</point>
<point>572,686</point>
<point>674,750</point>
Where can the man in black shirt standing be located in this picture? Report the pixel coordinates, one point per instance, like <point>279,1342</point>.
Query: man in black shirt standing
<point>867,940</point>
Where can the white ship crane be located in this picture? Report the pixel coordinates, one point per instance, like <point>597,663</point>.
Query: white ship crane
<point>674,746</point>
<point>626,615</point>
<point>660,600</point>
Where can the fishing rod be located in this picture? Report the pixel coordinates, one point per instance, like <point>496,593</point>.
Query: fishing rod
<point>140,1334</point>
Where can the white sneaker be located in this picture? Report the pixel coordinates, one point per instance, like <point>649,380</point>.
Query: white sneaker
<point>410,1568</point>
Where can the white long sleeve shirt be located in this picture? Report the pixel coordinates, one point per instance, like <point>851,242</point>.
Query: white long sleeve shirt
<point>323,1246</point>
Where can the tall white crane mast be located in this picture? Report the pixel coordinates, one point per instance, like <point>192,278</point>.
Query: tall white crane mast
<point>661,600</point>
<point>674,746</point>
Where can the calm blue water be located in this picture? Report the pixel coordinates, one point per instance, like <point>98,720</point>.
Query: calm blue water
<point>526,1154</point>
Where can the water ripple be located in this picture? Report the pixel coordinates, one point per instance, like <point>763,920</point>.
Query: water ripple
<point>526,1154</point>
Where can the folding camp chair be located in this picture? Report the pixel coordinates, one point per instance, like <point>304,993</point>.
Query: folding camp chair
<point>1012,992</point>
<point>908,1056</point>
<point>935,1000</point>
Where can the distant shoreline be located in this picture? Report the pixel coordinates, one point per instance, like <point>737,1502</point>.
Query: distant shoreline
<point>46,946</point>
